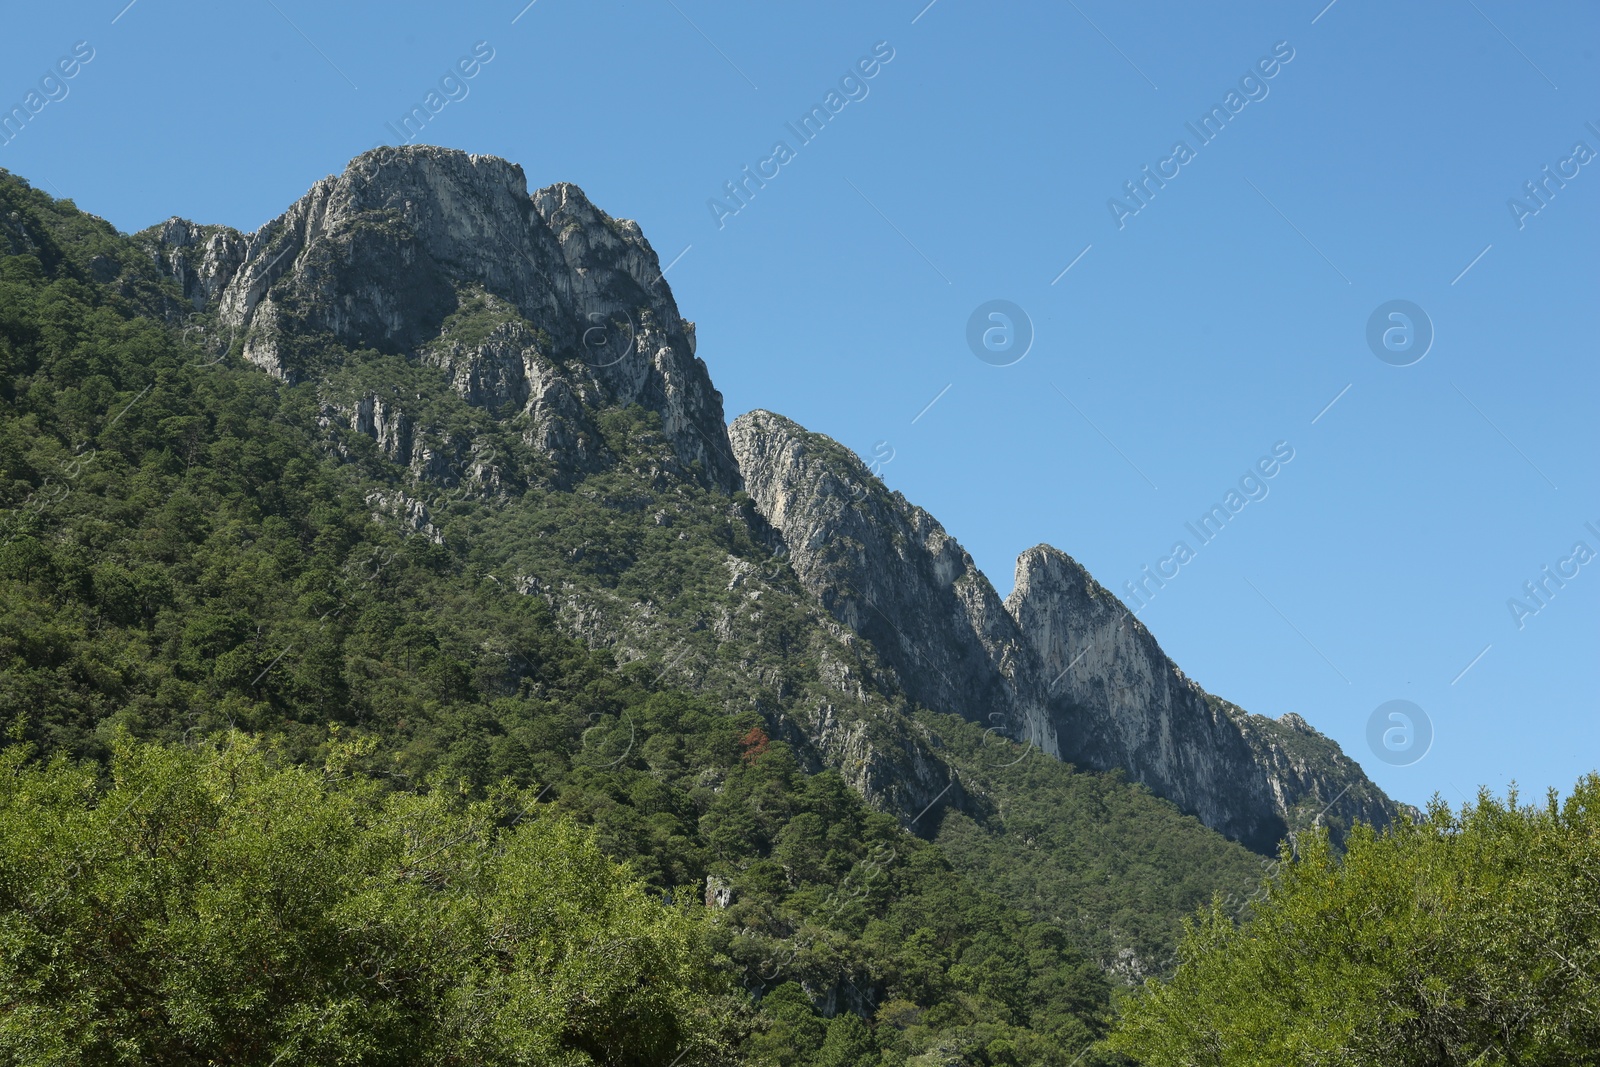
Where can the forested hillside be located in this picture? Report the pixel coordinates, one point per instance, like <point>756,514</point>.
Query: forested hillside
<point>197,575</point>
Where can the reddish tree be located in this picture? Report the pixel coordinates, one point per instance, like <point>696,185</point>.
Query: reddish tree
<point>753,744</point>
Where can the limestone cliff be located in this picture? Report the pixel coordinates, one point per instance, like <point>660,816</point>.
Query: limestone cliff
<point>1061,663</point>
<point>891,573</point>
<point>201,259</point>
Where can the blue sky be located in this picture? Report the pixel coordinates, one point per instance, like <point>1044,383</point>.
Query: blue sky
<point>978,163</point>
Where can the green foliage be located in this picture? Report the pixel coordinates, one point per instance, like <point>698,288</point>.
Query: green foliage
<point>217,905</point>
<point>1112,863</point>
<point>794,1032</point>
<point>848,1044</point>
<point>827,894</point>
<point>1466,938</point>
<point>478,315</point>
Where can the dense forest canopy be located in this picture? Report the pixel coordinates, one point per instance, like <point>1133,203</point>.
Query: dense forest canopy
<point>1469,937</point>
<point>216,905</point>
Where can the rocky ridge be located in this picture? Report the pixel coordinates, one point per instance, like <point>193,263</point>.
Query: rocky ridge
<point>1061,663</point>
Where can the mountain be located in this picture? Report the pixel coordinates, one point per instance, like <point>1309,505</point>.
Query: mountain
<point>432,459</point>
<point>545,312</point>
<point>381,256</point>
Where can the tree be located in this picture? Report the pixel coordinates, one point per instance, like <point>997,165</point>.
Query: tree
<point>793,1033</point>
<point>1470,937</point>
<point>753,744</point>
<point>218,905</point>
<point>848,1044</point>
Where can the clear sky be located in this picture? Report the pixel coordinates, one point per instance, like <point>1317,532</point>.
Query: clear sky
<point>1218,314</point>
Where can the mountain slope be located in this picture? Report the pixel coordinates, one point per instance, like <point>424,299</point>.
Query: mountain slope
<point>188,546</point>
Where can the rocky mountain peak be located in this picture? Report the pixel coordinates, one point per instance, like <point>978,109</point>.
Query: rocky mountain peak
<point>380,256</point>
<point>889,571</point>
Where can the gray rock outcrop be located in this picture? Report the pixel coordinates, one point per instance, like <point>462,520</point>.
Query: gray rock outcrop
<point>384,255</point>
<point>1061,663</point>
<point>889,571</point>
<point>202,260</point>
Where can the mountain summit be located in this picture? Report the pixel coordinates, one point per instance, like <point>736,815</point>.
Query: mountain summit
<point>382,255</point>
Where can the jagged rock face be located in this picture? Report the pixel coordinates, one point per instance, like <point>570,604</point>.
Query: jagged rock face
<point>889,571</point>
<point>442,460</point>
<point>509,372</point>
<point>630,336</point>
<point>1302,768</point>
<point>371,258</point>
<point>1125,704</point>
<point>1060,663</point>
<point>399,509</point>
<point>380,256</point>
<point>1128,705</point>
<point>201,259</point>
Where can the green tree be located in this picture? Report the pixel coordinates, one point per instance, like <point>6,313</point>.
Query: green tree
<point>1464,938</point>
<point>793,1033</point>
<point>218,905</point>
<point>848,1044</point>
